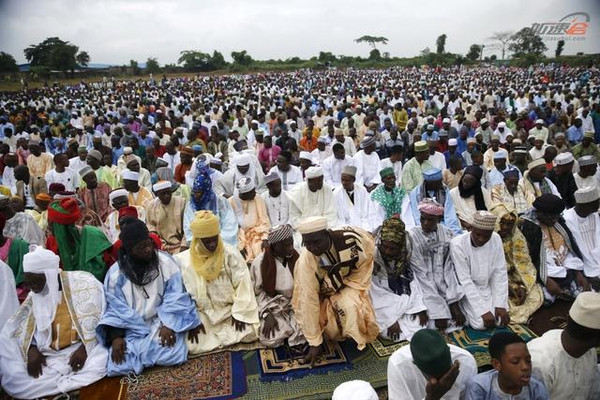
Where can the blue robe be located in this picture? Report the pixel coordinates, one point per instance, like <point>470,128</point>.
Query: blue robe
<point>168,304</point>
<point>450,218</point>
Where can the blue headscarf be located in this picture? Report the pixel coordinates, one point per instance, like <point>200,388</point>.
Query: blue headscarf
<point>203,182</point>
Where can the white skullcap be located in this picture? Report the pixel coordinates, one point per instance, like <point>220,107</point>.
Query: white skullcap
<point>305,155</point>
<point>483,121</point>
<point>453,142</point>
<point>446,120</point>
<point>502,124</point>
<point>587,195</point>
<point>355,390</point>
<point>117,193</point>
<point>127,150</point>
<point>563,158</point>
<point>245,185</point>
<point>241,159</point>
<point>539,121</point>
<point>312,224</point>
<point>40,260</point>
<point>536,163</point>
<point>500,154</point>
<point>130,175</point>
<point>314,172</point>
<point>586,310</point>
<point>162,185</point>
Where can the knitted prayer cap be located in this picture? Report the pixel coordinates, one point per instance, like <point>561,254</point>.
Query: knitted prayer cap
<point>484,220</point>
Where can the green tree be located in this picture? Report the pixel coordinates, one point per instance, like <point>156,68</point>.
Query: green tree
<point>526,41</point>
<point>195,60</point>
<point>152,65</point>
<point>7,63</point>
<point>502,40</point>
<point>83,58</point>
<point>440,44</point>
<point>217,60</point>
<point>54,53</point>
<point>326,56</point>
<point>374,55</point>
<point>559,48</point>
<point>474,52</point>
<point>425,51</point>
<point>241,58</point>
<point>135,69</point>
<point>372,40</point>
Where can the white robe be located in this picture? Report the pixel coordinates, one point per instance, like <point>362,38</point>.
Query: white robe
<point>438,160</point>
<point>481,272</point>
<point>590,181</point>
<point>586,232</point>
<point>332,169</point>
<point>353,214</point>
<point>8,294</point>
<point>278,208</point>
<point>288,178</point>
<point>304,204</point>
<point>407,382</point>
<point>367,168</point>
<point>466,207</point>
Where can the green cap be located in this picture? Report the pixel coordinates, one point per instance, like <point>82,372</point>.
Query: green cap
<point>430,353</point>
<point>386,172</point>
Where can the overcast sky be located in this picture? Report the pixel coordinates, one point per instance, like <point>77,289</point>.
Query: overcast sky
<point>116,31</point>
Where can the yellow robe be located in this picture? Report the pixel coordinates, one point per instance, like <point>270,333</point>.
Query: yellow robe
<point>254,225</point>
<point>336,304</point>
<point>144,197</point>
<point>167,223</point>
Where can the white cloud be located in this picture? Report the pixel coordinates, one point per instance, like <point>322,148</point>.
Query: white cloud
<point>115,31</point>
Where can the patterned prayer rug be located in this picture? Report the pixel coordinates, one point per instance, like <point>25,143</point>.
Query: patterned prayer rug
<point>217,376</point>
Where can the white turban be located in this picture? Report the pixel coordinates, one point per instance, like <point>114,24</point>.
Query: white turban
<point>161,185</point>
<point>131,175</point>
<point>312,224</point>
<point>117,193</point>
<point>355,390</point>
<point>245,185</point>
<point>314,172</point>
<point>42,261</point>
<point>241,160</point>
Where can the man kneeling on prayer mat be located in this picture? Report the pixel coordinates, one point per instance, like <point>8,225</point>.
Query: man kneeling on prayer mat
<point>164,216</point>
<point>148,312</point>
<point>84,248</point>
<point>332,279</point>
<point>217,277</point>
<point>49,345</point>
<point>478,257</point>
<point>253,219</point>
<point>395,292</point>
<point>272,274</point>
<point>429,369</point>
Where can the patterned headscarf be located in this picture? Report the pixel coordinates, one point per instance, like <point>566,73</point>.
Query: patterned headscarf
<point>399,273</point>
<point>203,182</point>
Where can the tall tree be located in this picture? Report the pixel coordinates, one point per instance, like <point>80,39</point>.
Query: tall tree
<point>241,58</point>
<point>474,52</point>
<point>559,48</point>
<point>135,69</point>
<point>217,60</point>
<point>372,40</point>
<point>7,63</point>
<point>53,53</point>
<point>441,44</point>
<point>152,65</point>
<point>83,59</point>
<point>502,40</point>
<point>526,42</point>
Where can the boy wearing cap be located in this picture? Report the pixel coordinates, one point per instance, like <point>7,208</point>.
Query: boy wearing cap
<point>429,369</point>
<point>164,216</point>
<point>566,360</point>
<point>511,377</point>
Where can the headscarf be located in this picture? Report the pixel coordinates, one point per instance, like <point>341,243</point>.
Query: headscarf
<point>62,216</point>
<point>268,267</point>
<point>203,182</point>
<point>475,191</point>
<point>399,273</point>
<point>206,264</point>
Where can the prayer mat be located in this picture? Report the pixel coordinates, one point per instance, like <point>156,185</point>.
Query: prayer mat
<point>217,376</point>
<point>271,376</point>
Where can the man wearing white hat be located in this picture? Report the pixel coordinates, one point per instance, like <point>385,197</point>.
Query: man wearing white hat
<point>118,199</point>
<point>138,195</point>
<point>587,174</point>
<point>478,257</point>
<point>502,131</point>
<point>49,346</point>
<point>335,164</point>
<point>125,158</point>
<point>584,222</point>
<point>353,202</point>
<point>496,176</point>
<point>252,217</point>
<point>312,198</point>
<point>562,176</point>
<point>355,390</point>
<point>540,129</point>
<point>367,164</point>
<point>566,360</point>
<point>164,216</point>
<point>306,161</point>
<point>534,182</point>
<point>245,165</point>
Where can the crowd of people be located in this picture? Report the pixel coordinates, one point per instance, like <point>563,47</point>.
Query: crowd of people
<point>143,223</point>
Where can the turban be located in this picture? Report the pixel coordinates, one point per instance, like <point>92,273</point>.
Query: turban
<point>549,203</point>
<point>207,264</point>
<point>241,160</point>
<point>95,154</point>
<point>431,207</point>
<point>64,212</point>
<point>127,150</point>
<point>131,175</point>
<point>205,225</point>
<point>585,311</point>
<point>484,220</point>
<point>312,224</point>
<point>314,172</point>
<point>39,260</point>
<point>161,185</point>
<point>280,233</point>
<point>393,230</point>
<point>117,193</point>
<point>245,185</point>
<point>430,352</point>
<point>128,211</point>
<point>133,232</point>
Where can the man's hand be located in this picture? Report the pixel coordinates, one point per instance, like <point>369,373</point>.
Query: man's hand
<point>118,350</point>
<point>437,388</point>
<point>582,281</point>
<point>194,332</point>
<point>552,287</point>
<point>441,324</point>
<point>394,331</point>
<point>489,321</point>
<point>313,355</point>
<point>423,317</point>
<point>239,325</point>
<point>167,336</point>
<point>265,244</point>
<point>270,326</point>
<point>35,361</point>
<point>457,314</point>
<point>502,314</point>
<point>520,295</point>
<point>78,358</point>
